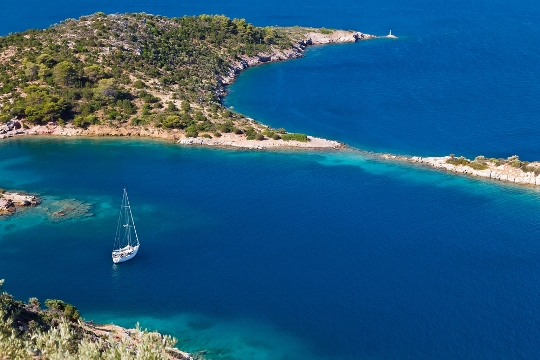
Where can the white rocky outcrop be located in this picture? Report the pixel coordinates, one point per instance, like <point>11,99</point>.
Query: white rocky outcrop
<point>504,172</point>
<point>240,141</point>
<point>6,206</point>
<point>11,128</point>
<point>9,201</point>
<point>337,36</point>
<point>21,199</point>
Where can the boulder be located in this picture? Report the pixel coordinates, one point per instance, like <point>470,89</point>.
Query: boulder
<point>6,206</point>
<point>21,199</point>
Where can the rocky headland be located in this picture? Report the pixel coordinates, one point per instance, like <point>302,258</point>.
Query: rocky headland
<point>138,75</point>
<point>55,209</point>
<point>18,127</point>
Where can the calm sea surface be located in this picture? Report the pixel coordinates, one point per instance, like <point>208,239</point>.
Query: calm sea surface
<point>310,255</point>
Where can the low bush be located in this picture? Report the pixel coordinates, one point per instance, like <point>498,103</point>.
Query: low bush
<point>476,165</point>
<point>457,161</point>
<point>297,137</point>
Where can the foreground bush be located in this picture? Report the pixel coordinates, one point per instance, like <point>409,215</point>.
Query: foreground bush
<point>28,332</point>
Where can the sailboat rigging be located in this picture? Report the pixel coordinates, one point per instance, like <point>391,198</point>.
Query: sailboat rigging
<point>126,242</point>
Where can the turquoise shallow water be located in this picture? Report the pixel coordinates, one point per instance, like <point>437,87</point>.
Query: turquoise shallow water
<point>293,255</point>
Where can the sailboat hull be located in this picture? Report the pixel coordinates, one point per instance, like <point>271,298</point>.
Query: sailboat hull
<point>124,254</point>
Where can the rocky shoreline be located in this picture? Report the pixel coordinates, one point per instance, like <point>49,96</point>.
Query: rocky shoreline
<point>10,201</point>
<point>15,128</point>
<point>311,38</point>
<point>119,336</point>
<point>488,169</point>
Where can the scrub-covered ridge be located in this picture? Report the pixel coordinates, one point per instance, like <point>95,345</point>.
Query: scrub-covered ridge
<point>27,331</point>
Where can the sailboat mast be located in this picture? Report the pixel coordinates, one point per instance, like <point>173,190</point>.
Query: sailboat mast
<point>119,236</point>
<point>133,222</point>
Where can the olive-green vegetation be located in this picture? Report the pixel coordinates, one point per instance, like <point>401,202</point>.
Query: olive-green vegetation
<point>297,137</point>
<point>29,332</point>
<point>326,31</point>
<point>133,69</point>
<point>481,163</point>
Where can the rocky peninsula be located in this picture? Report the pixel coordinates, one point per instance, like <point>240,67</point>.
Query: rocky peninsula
<point>511,170</point>
<point>146,75</point>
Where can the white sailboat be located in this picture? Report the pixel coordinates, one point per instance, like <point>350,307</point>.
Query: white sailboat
<point>126,242</point>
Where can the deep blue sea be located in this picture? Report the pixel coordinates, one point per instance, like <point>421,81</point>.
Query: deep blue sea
<point>310,255</point>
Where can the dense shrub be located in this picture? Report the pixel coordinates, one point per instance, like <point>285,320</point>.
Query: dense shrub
<point>191,131</point>
<point>40,105</point>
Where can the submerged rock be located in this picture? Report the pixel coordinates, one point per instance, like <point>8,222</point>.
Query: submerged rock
<point>68,209</point>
